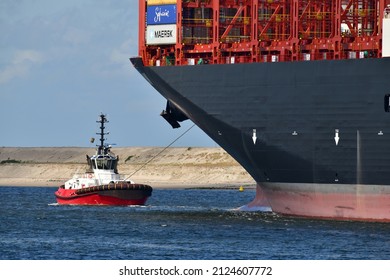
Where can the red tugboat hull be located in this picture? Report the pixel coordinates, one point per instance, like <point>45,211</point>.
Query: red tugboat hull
<point>114,195</point>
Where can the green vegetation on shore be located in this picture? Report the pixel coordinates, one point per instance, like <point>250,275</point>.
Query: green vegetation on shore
<point>10,161</point>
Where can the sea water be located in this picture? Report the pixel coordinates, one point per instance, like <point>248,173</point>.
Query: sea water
<point>181,224</point>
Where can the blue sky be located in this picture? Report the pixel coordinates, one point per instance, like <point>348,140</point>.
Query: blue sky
<point>62,63</point>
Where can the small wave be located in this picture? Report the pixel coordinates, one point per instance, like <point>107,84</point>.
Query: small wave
<point>137,206</point>
<point>178,208</point>
<point>255,209</point>
<point>53,204</point>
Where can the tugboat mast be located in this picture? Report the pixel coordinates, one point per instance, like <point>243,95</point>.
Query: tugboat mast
<point>101,147</point>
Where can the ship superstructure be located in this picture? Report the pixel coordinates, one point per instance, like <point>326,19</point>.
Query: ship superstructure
<point>298,92</point>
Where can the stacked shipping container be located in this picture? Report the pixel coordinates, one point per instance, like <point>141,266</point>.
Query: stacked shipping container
<point>161,18</point>
<point>234,31</point>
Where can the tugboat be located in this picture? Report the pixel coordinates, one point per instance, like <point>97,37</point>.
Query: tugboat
<point>101,184</point>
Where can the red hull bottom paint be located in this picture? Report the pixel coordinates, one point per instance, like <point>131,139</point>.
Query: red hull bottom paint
<point>123,198</point>
<point>371,203</point>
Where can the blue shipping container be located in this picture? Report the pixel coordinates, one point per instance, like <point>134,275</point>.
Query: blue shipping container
<point>161,14</point>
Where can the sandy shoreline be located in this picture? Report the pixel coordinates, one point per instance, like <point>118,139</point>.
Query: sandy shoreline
<point>4,182</point>
<point>187,167</point>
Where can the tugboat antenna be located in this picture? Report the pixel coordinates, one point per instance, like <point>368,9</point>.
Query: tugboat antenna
<point>102,121</point>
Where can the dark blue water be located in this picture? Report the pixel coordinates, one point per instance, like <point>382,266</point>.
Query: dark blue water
<point>175,224</point>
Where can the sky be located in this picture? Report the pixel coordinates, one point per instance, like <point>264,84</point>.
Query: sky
<point>63,63</point>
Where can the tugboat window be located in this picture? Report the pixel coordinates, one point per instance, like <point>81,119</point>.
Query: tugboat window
<point>100,163</point>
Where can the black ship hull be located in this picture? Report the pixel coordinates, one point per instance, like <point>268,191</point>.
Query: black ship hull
<point>315,136</point>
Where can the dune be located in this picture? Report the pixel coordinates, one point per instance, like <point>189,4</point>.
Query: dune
<point>173,167</point>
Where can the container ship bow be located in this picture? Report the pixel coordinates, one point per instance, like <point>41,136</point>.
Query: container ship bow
<point>298,92</point>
